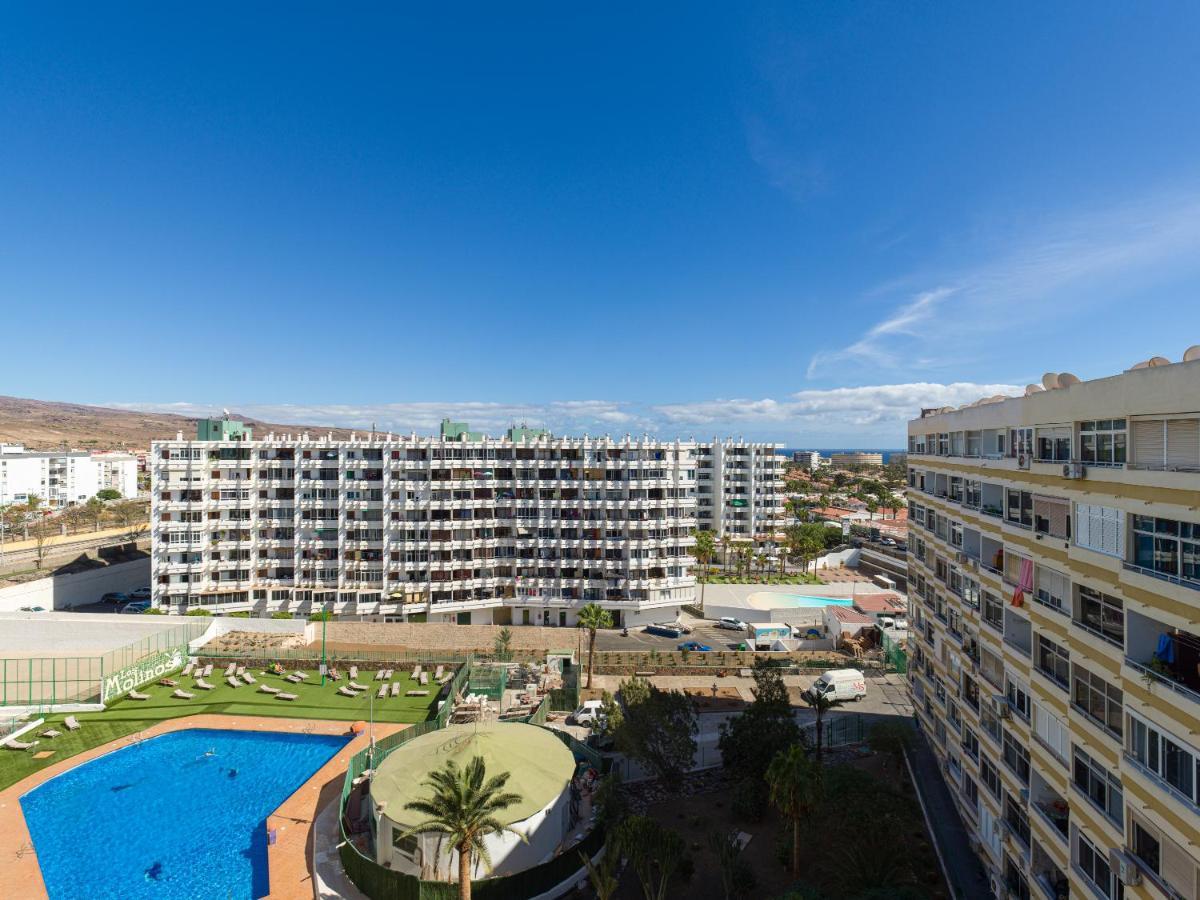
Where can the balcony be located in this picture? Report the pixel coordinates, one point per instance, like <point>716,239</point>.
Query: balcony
<point>1164,656</point>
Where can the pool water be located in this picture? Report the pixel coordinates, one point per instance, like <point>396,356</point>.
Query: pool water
<point>780,600</point>
<point>182,815</point>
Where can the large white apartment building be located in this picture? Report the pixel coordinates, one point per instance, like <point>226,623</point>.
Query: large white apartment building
<point>63,478</point>
<point>1054,588</point>
<point>465,528</point>
<point>739,489</point>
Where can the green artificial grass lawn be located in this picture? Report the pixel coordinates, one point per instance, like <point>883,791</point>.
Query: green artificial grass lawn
<point>125,717</point>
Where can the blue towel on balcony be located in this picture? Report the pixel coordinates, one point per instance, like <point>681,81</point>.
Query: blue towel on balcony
<point>1166,649</point>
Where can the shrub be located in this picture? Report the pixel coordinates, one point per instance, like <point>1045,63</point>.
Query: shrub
<point>198,612</point>
<point>280,614</point>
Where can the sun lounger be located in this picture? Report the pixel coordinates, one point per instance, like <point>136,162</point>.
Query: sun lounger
<point>438,674</point>
<point>395,689</point>
<point>346,692</point>
<point>182,695</point>
<point>168,682</point>
<point>72,723</point>
<point>187,670</point>
<point>248,678</point>
<point>241,670</point>
<point>135,695</point>
<point>20,745</point>
<point>416,672</point>
<point>267,689</point>
<point>354,673</point>
<point>301,674</point>
<point>208,670</point>
<point>230,669</point>
<point>382,692</point>
<point>283,696</point>
<point>355,686</point>
<point>204,685</point>
<point>387,674</point>
<point>416,693</point>
<point>50,733</point>
<point>379,675</point>
<point>233,682</point>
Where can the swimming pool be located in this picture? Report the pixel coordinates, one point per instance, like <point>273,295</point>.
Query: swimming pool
<point>182,815</point>
<point>780,600</point>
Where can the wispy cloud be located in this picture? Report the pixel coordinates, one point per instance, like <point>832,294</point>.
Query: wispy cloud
<point>1049,273</point>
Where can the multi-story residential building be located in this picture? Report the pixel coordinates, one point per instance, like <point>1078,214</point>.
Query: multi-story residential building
<point>62,479</point>
<point>739,489</point>
<point>809,460</point>
<point>1054,585</point>
<point>463,528</point>
<point>852,458</point>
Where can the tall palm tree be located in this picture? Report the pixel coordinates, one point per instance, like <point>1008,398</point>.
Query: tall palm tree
<point>593,617</point>
<point>821,704</point>
<point>794,781</point>
<point>704,551</point>
<point>463,807</point>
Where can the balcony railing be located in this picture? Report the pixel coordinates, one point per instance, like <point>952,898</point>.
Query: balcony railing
<point>1162,576</point>
<point>1160,677</point>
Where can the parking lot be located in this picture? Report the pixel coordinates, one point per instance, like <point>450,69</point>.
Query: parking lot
<point>704,632</point>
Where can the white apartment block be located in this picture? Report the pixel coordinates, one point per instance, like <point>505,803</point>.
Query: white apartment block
<point>1054,586</point>
<point>62,479</point>
<point>809,460</point>
<point>458,528</point>
<point>739,489</point>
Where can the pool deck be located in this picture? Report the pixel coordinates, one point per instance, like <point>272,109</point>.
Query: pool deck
<point>288,859</point>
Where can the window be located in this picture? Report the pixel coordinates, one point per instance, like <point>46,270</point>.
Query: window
<point>1020,442</point>
<point>1170,863</point>
<point>1053,588</point>
<point>1053,661</point>
<point>1098,785</point>
<point>1102,442</point>
<point>1016,757</point>
<point>1098,699</point>
<point>1102,615</point>
<point>1020,508</point>
<point>1052,516</point>
<point>1174,763</point>
<point>1093,862</point>
<point>1100,528</point>
<point>990,776</point>
<point>1017,819</point>
<point>993,611</point>
<point>1054,444</point>
<point>1018,698</point>
<point>970,743</point>
<point>1167,547</point>
<point>1172,444</point>
<point>1052,732</point>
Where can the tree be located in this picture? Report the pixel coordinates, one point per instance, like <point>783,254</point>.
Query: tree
<point>654,852</point>
<point>108,494</point>
<point>74,517</point>
<point>96,512</point>
<point>657,730</point>
<point>38,529</point>
<point>821,704</point>
<point>705,549</point>
<point>795,785</point>
<point>131,516</point>
<point>872,508</point>
<point>737,878</point>
<point>463,807</point>
<point>593,617</point>
<point>502,645</point>
<point>751,739</point>
<point>602,875</point>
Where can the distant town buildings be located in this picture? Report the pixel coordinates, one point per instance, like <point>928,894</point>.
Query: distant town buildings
<point>809,460</point>
<point>461,528</point>
<point>854,458</point>
<point>739,488</point>
<point>1054,580</point>
<point>63,478</point>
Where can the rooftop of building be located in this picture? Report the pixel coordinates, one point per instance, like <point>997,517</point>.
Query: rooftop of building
<point>878,603</point>
<point>850,616</point>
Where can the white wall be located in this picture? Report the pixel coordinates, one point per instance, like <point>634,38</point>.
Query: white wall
<point>76,634</point>
<point>225,624</point>
<point>68,591</point>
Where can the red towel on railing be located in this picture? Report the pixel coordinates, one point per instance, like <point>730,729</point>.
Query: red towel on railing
<point>1024,582</point>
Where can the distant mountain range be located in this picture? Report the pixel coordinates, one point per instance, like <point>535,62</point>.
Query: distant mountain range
<point>48,425</point>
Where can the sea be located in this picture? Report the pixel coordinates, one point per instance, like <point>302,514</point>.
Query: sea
<point>887,454</point>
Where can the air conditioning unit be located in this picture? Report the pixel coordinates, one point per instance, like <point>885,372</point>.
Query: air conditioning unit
<point>1124,867</point>
<point>1003,710</point>
<point>961,558</point>
<point>1074,470</point>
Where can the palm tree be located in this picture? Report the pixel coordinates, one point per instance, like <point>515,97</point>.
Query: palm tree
<point>820,704</point>
<point>704,551</point>
<point>794,781</point>
<point>593,617</point>
<point>463,807</point>
<point>603,875</point>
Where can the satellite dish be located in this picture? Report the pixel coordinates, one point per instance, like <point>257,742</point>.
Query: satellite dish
<point>1143,364</point>
<point>225,412</point>
<point>1033,389</point>
<point>1156,361</point>
<point>1066,379</point>
<point>1050,381</point>
<point>1192,353</point>
<point>999,398</point>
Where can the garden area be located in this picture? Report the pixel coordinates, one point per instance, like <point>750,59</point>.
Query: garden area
<point>127,716</point>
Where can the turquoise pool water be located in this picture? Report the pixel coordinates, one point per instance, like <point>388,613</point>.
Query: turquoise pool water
<point>804,600</point>
<point>176,817</point>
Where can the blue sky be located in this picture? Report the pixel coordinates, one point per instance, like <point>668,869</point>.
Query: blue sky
<point>795,221</point>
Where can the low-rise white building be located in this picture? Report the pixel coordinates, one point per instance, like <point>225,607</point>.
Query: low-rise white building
<point>63,478</point>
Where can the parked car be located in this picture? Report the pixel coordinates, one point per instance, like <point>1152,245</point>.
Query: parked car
<point>669,631</point>
<point>695,647</point>
<point>137,606</point>
<point>115,597</point>
<point>731,623</point>
<point>142,593</point>
<point>840,684</point>
<point>589,712</point>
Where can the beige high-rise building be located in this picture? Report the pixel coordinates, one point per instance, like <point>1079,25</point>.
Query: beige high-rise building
<point>1055,593</point>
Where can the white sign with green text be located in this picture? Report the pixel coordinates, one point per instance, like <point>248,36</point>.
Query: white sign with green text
<point>149,669</point>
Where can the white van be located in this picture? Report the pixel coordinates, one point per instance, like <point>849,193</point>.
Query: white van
<point>590,712</point>
<point>840,684</point>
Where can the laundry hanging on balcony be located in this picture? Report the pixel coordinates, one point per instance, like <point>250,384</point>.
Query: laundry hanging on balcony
<point>1024,582</point>
<point>1165,649</point>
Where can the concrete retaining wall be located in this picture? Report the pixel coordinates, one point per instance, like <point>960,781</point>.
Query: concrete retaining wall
<point>68,591</point>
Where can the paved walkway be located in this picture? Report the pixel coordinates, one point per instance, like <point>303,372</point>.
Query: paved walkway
<point>967,877</point>
<point>288,859</point>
